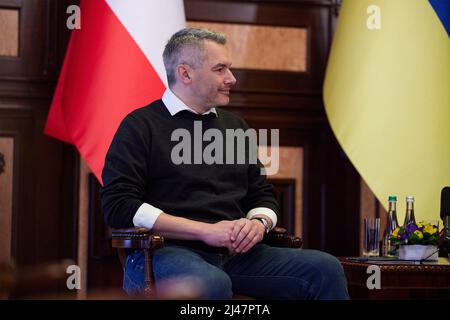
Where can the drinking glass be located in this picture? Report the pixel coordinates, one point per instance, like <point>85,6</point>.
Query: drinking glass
<point>371,244</point>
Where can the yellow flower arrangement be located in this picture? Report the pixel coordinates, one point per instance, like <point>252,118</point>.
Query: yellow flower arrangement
<point>421,233</point>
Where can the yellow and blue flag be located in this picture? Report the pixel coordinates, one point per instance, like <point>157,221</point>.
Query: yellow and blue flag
<point>387,97</point>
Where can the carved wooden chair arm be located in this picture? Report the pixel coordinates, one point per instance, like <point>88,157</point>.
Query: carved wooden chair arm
<point>142,238</point>
<point>278,237</point>
<point>138,238</point>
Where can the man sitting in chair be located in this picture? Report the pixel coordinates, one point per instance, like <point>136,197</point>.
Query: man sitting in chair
<point>212,215</point>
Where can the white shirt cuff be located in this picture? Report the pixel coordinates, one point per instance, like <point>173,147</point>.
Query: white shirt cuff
<point>265,211</point>
<point>146,216</point>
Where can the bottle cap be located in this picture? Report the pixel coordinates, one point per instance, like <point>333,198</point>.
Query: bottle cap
<point>392,198</point>
<point>410,198</point>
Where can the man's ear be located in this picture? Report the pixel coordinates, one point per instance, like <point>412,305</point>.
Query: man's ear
<point>184,73</point>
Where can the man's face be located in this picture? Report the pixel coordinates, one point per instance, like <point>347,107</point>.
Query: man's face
<point>211,82</point>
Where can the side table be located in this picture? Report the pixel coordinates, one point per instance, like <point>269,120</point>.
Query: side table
<point>429,280</point>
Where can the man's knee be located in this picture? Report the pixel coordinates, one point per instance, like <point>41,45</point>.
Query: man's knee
<point>205,286</point>
<point>178,271</point>
<point>332,283</point>
<point>330,266</point>
<point>217,286</point>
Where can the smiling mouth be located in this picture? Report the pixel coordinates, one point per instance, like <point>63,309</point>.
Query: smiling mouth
<point>225,92</point>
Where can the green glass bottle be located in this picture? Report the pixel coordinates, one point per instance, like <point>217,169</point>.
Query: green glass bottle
<point>409,216</point>
<point>388,248</point>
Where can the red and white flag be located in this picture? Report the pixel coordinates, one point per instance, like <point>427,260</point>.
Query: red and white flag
<point>112,66</point>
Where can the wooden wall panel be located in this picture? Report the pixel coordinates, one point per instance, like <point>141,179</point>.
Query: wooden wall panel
<point>104,268</point>
<point>285,194</point>
<point>290,168</point>
<point>44,178</point>
<point>43,224</point>
<point>253,47</point>
<point>6,196</point>
<point>9,37</point>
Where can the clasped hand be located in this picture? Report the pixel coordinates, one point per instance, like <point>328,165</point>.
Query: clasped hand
<point>238,236</point>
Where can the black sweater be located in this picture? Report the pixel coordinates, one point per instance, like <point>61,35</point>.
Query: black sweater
<point>138,168</point>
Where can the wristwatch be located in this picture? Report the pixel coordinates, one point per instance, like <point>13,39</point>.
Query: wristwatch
<point>265,223</point>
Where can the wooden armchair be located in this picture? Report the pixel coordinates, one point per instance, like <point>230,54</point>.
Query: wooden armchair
<point>141,238</point>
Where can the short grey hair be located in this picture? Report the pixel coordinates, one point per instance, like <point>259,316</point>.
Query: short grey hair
<point>193,38</point>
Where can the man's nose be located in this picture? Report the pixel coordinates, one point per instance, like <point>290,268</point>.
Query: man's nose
<point>230,79</point>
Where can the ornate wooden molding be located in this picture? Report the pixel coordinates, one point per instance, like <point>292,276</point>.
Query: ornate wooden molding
<point>425,267</point>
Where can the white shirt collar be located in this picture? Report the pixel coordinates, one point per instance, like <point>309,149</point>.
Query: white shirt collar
<point>175,105</point>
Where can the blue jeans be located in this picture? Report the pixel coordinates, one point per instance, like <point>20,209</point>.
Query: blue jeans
<point>263,272</point>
